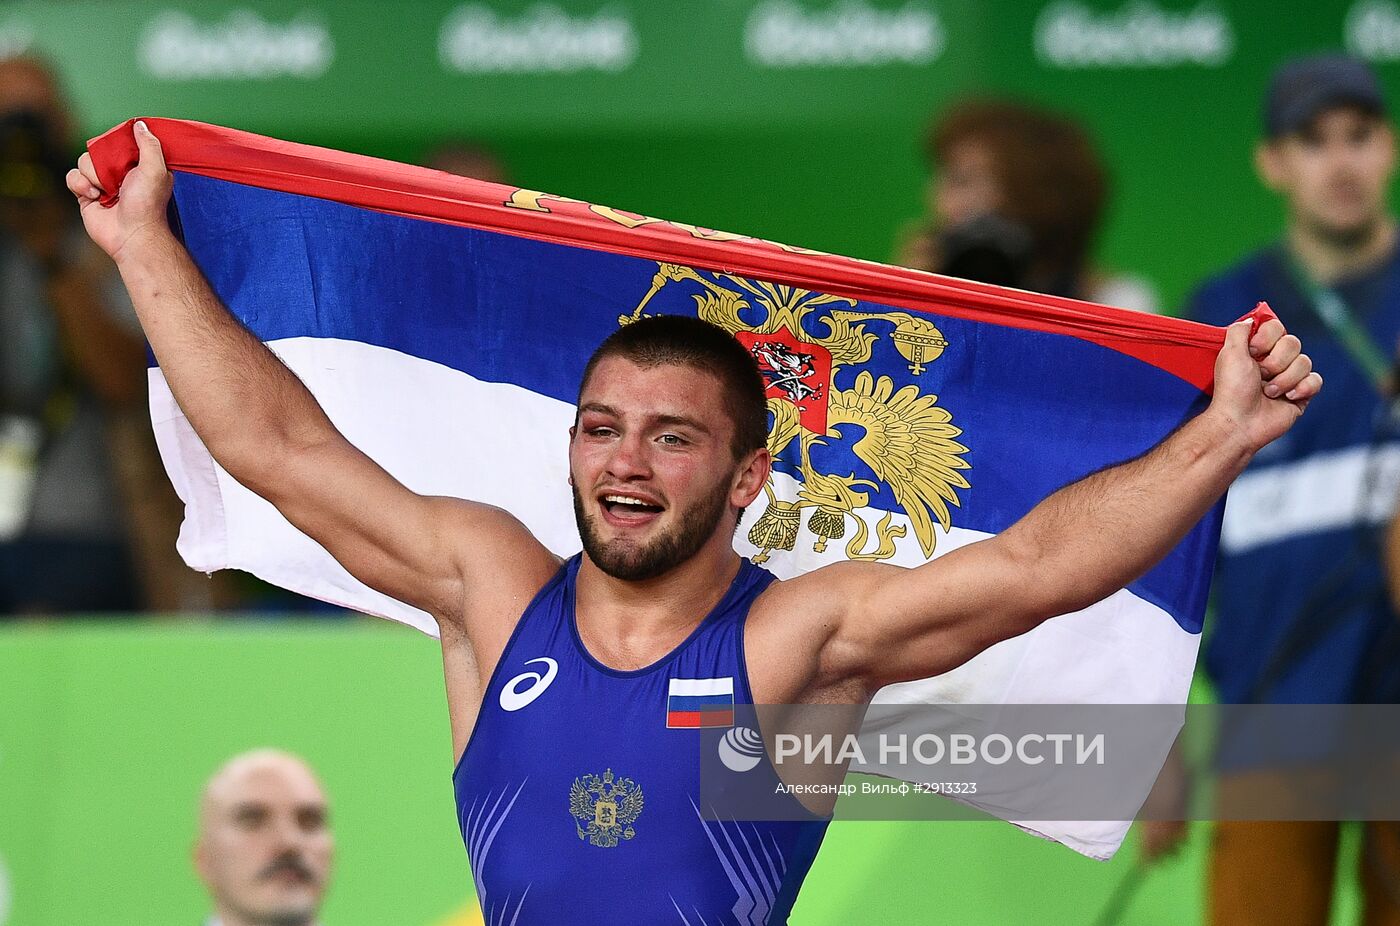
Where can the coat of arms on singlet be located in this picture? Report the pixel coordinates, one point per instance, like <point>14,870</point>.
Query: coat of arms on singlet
<point>605,807</point>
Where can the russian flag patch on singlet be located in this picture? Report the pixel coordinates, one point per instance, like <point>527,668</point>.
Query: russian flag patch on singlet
<point>694,703</point>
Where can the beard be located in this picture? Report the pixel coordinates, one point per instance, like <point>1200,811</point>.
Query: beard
<point>633,563</point>
<point>1344,234</point>
<point>1347,237</point>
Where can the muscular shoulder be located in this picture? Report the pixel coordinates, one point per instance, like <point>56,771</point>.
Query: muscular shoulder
<point>819,591</point>
<point>794,637</point>
<point>502,564</point>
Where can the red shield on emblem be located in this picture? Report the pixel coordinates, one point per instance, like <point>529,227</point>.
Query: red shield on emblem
<point>795,371</point>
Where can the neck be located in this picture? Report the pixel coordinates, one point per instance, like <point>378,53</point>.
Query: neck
<point>1326,260</point>
<point>639,622</point>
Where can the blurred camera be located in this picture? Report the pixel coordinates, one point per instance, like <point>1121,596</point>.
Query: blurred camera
<point>987,249</point>
<point>31,167</point>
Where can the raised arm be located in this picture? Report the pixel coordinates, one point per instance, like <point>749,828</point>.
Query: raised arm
<point>263,426</point>
<point>1075,548</point>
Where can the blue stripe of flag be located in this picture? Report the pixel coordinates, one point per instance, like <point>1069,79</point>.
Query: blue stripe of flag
<point>698,702</point>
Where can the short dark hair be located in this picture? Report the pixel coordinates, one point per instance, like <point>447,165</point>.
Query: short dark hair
<point>678,339</point>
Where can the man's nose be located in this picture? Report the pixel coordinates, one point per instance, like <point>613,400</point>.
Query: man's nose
<point>288,835</point>
<point>1348,155</point>
<point>629,459</point>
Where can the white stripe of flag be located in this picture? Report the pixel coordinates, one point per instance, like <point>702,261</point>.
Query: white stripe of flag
<point>702,686</point>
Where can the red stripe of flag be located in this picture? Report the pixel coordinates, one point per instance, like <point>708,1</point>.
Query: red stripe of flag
<point>696,719</point>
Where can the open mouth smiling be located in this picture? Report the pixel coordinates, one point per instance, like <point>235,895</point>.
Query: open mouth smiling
<point>629,508</point>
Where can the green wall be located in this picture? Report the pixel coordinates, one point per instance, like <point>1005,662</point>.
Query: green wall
<point>108,731</point>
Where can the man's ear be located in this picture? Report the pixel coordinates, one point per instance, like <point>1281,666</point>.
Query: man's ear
<point>1269,165</point>
<point>199,854</point>
<point>751,477</point>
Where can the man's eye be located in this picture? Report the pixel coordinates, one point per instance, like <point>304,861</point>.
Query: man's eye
<point>674,440</point>
<point>599,432</point>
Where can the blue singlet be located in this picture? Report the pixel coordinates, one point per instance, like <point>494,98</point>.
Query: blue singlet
<point>578,794</point>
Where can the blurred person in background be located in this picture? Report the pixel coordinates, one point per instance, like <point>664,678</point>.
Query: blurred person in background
<point>1015,198</point>
<point>1301,607</point>
<point>70,357</point>
<point>87,519</point>
<point>265,847</point>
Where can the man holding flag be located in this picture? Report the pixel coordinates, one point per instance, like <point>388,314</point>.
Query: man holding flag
<point>555,669</point>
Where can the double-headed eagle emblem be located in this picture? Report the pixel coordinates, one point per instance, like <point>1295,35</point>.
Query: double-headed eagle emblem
<point>907,440</point>
<point>605,807</point>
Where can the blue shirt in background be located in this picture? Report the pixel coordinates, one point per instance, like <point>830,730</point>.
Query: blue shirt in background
<point>1301,610</point>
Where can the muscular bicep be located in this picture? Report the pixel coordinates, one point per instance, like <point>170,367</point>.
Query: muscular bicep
<point>425,551</point>
<point>875,624</point>
<point>920,622</point>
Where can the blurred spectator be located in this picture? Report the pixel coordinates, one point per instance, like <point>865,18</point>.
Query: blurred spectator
<point>1015,198</point>
<point>71,361</point>
<point>1301,610</point>
<point>466,159</point>
<point>87,519</point>
<point>27,83</point>
<point>265,848</point>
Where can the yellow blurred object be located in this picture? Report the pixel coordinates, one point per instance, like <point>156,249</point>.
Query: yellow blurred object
<point>469,915</point>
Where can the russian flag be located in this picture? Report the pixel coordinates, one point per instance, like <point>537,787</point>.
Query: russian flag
<point>443,324</point>
<point>700,702</point>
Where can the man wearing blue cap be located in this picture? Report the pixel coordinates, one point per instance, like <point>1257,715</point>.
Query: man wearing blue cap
<point>1301,612</point>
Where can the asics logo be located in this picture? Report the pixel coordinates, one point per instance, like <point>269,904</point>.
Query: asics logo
<point>514,697</point>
